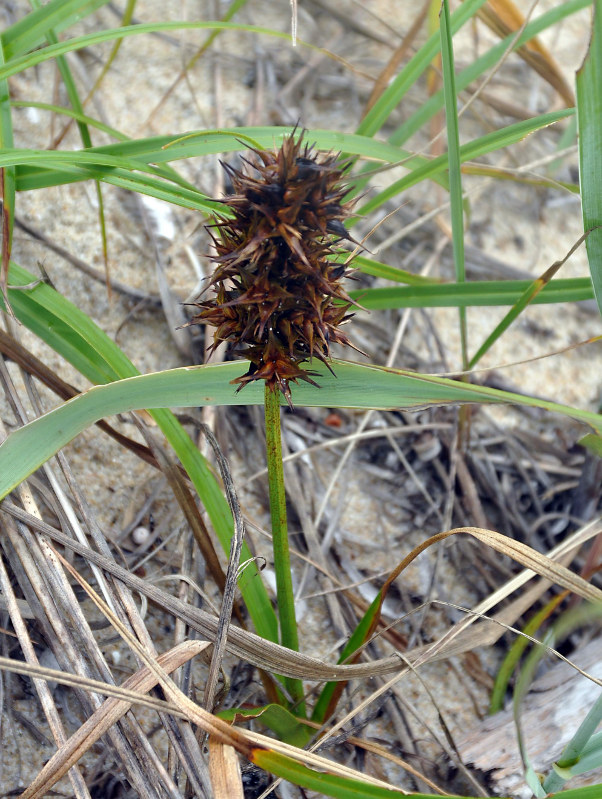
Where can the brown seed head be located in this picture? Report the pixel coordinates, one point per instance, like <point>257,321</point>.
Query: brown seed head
<point>276,284</point>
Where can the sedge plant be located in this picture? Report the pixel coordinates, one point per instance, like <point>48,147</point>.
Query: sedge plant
<point>279,302</point>
<point>278,297</point>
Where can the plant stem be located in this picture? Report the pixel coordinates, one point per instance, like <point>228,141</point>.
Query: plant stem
<point>282,561</point>
<point>455,174</point>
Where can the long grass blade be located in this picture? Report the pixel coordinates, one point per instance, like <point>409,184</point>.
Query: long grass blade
<point>114,163</point>
<point>589,105</point>
<point>482,64</point>
<point>126,19</point>
<point>7,182</point>
<point>474,149</point>
<point>475,293</point>
<point>453,160</point>
<point>332,691</point>
<point>165,170</point>
<point>512,658</point>
<point>355,386</point>
<point>84,133</point>
<point>18,62</point>
<point>526,299</point>
<point>70,112</point>
<point>276,718</point>
<point>162,149</point>
<point>58,15</point>
<point>377,269</point>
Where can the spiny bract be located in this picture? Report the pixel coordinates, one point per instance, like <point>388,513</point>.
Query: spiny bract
<point>278,294</point>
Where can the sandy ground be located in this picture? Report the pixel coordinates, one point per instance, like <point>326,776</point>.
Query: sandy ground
<point>245,79</point>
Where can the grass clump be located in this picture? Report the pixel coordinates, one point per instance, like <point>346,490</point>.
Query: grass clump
<point>278,296</point>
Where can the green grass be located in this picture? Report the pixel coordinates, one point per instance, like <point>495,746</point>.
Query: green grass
<point>157,166</point>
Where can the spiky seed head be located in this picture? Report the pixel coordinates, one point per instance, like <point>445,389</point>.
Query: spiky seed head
<point>278,295</point>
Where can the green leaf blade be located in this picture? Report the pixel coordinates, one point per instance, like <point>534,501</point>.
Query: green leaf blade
<point>453,162</point>
<point>30,31</point>
<point>354,386</point>
<point>476,293</point>
<point>589,105</point>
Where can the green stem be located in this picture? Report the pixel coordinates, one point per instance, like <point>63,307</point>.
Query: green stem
<point>455,174</point>
<point>282,560</point>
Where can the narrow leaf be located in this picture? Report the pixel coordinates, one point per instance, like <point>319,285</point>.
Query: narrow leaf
<point>453,162</point>
<point>481,292</point>
<point>390,99</point>
<point>19,63</point>
<point>7,181</point>
<point>30,31</point>
<point>473,149</point>
<point>287,727</point>
<point>589,107</point>
<point>483,64</point>
<point>84,133</point>
<point>354,386</point>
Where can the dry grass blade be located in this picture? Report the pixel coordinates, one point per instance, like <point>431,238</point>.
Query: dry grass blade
<point>141,529</point>
<point>41,686</point>
<point>44,584</point>
<point>229,587</point>
<point>504,18</point>
<point>181,737</point>
<point>278,659</point>
<point>246,743</point>
<point>70,628</point>
<point>382,751</point>
<point>487,631</point>
<point>521,553</point>
<point>62,621</point>
<point>241,643</point>
<point>88,684</point>
<point>107,714</point>
<point>224,768</point>
<point>134,697</point>
<point>209,723</point>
